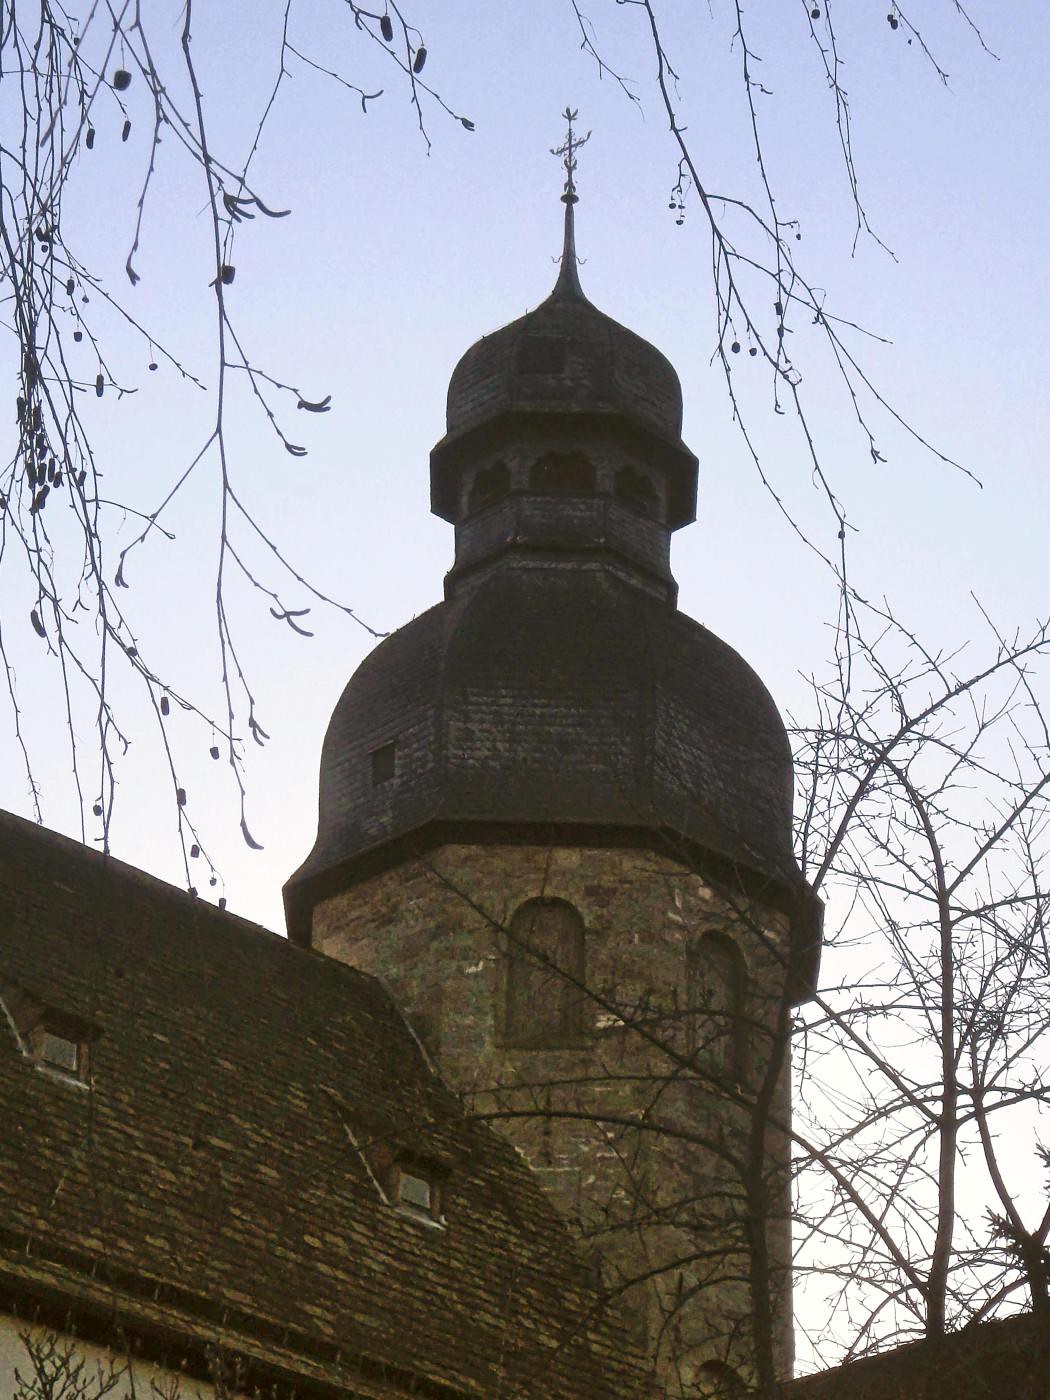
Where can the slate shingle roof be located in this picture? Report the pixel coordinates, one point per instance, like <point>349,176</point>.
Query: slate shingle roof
<point>209,1174</point>
<point>1007,1359</point>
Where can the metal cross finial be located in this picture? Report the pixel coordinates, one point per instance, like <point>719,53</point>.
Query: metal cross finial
<point>567,151</point>
<point>568,283</point>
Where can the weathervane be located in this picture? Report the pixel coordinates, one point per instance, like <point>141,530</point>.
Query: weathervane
<point>567,151</point>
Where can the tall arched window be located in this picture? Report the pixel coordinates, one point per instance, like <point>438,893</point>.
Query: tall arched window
<point>562,471</point>
<point>545,968</point>
<point>717,1004</point>
<point>490,484</point>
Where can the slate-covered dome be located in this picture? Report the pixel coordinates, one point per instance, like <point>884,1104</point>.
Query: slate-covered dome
<point>556,698</point>
<point>566,356</point>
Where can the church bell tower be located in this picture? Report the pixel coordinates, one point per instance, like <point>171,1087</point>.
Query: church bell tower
<point>555,816</point>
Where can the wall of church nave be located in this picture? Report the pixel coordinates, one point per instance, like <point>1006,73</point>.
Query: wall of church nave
<point>614,1015</point>
<point>39,1364</point>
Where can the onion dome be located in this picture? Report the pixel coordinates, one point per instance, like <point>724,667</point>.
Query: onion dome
<point>567,361</point>
<point>566,356</point>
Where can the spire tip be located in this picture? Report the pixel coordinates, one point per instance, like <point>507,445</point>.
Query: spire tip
<point>568,283</point>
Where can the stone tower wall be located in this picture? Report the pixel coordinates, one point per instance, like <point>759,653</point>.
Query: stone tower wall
<point>647,1201</point>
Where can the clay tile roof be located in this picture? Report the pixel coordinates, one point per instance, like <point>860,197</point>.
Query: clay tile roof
<point>209,1171</point>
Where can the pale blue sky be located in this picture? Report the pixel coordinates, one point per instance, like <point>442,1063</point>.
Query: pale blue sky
<point>393,261</point>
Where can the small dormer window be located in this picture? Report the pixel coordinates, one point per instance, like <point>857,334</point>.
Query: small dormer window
<point>60,1046</point>
<point>384,763</point>
<point>56,1042</point>
<point>415,1188</point>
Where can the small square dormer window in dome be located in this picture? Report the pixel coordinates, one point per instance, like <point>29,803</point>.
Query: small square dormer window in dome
<point>384,763</point>
<point>541,354</point>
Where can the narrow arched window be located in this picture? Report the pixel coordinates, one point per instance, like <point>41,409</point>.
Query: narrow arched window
<point>545,968</point>
<point>562,471</point>
<point>490,484</point>
<point>717,989</point>
<point>720,1382</point>
<point>635,488</point>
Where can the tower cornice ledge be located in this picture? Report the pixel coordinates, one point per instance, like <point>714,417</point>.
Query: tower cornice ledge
<point>313,883</point>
